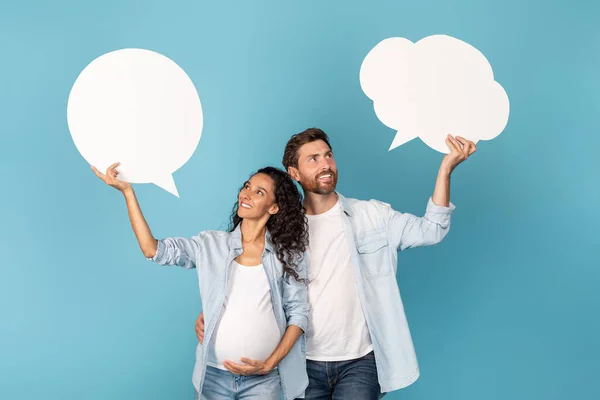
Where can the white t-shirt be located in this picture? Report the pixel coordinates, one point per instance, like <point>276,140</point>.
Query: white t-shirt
<point>248,327</point>
<point>337,329</point>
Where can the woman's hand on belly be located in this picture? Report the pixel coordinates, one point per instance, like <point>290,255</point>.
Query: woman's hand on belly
<point>250,367</point>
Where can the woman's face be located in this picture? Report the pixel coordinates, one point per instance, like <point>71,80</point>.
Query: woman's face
<point>256,200</point>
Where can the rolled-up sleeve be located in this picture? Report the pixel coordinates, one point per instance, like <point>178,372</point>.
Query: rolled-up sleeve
<point>177,251</point>
<point>407,230</point>
<point>295,296</point>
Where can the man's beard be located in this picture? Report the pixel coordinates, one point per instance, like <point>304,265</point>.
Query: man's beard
<point>314,186</point>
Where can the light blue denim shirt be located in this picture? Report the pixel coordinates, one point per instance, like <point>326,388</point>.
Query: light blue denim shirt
<point>212,254</point>
<point>375,233</point>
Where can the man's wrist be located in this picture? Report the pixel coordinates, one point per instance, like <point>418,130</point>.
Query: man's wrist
<point>445,170</point>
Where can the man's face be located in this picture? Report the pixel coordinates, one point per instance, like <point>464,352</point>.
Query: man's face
<point>316,172</point>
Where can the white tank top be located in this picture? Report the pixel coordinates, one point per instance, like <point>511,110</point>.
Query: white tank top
<point>248,327</point>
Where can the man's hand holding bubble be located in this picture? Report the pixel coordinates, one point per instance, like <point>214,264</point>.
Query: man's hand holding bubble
<point>437,86</point>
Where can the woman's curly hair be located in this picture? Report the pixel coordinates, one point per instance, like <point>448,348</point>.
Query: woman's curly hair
<point>289,227</point>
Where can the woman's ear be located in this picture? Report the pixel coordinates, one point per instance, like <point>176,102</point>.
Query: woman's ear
<point>274,209</point>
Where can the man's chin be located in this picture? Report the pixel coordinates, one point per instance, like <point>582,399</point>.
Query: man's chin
<point>319,188</point>
<point>324,190</point>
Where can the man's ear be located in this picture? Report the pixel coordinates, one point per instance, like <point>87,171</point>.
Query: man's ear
<point>294,173</point>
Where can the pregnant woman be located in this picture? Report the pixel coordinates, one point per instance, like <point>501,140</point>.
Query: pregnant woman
<point>253,288</point>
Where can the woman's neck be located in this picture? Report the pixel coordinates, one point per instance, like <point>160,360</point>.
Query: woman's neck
<point>253,231</point>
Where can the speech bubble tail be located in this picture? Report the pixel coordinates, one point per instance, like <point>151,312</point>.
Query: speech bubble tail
<point>167,183</point>
<point>400,139</point>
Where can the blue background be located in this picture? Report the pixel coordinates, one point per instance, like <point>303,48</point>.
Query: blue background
<point>505,308</point>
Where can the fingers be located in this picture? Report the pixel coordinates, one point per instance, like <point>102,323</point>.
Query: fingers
<point>200,327</point>
<point>229,367</point>
<point>111,171</point>
<point>465,146</point>
<point>458,144</point>
<point>250,367</point>
<point>453,144</point>
<point>473,147</point>
<point>98,173</point>
<point>460,150</point>
<point>110,177</point>
<point>469,145</point>
<point>236,368</point>
<point>199,334</point>
<point>254,363</point>
<point>462,147</point>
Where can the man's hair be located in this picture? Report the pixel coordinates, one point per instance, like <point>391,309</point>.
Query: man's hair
<point>290,155</point>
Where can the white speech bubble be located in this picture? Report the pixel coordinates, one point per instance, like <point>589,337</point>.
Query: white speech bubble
<point>437,86</point>
<point>139,108</point>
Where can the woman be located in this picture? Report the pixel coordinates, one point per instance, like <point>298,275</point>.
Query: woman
<point>253,288</point>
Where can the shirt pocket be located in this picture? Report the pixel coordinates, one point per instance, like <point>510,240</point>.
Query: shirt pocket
<point>373,247</point>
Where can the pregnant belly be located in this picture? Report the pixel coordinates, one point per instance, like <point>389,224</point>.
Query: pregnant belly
<point>253,337</point>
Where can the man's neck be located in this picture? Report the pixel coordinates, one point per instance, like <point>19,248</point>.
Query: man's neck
<point>319,203</point>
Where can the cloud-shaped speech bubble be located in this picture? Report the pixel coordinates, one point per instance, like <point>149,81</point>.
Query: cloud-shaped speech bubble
<point>437,86</point>
<point>139,108</point>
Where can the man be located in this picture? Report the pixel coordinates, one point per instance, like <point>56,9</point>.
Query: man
<point>358,343</point>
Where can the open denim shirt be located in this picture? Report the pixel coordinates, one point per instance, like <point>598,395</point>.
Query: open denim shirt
<point>212,254</point>
<point>375,233</point>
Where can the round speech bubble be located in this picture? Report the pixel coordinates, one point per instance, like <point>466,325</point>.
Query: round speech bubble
<point>139,108</point>
<point>437,86</point>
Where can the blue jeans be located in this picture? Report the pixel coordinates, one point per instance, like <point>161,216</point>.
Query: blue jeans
<point>343,380</point>
<point>223,385</point>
